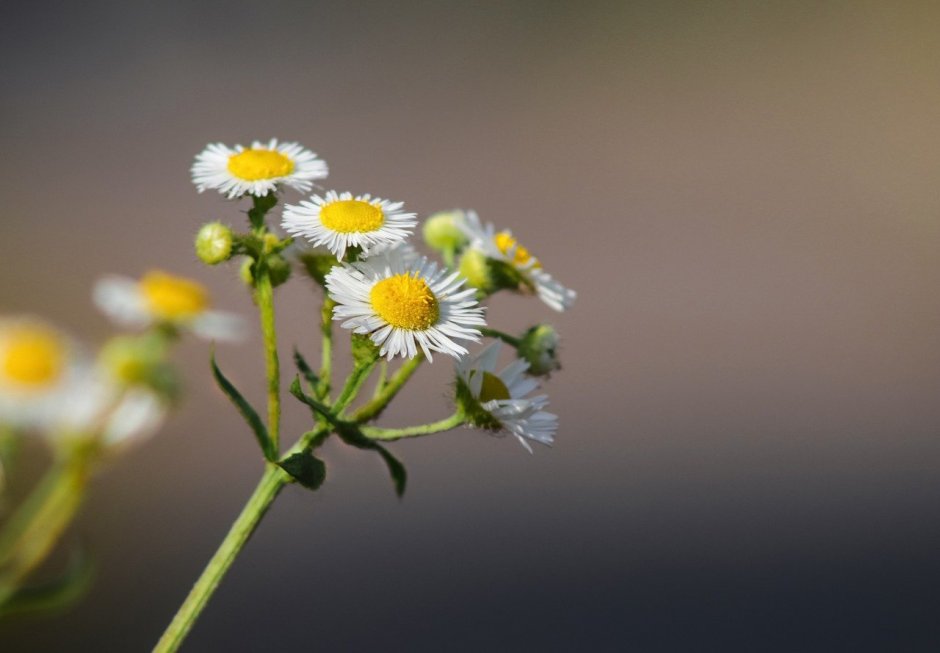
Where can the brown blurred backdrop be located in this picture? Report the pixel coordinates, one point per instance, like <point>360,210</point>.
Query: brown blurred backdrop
<point>745,197</point>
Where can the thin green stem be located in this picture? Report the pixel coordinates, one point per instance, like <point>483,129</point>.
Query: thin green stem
<point>36,527</point>
<point>449,254</point>
<point>326,356</point>
<point>351,388</point>
<point>383,377</point>
<point>445,424</point>
<point>499,335</point>
<point>264,295</point>
<point>272,481</point>
<point>374,407</point>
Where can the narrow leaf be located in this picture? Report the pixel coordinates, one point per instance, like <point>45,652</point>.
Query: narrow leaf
<point>319,410</point>
<point>305,369</point>
<point>395,468</point>
<point>354,438</point>
<point>57,594</point>
<point>245,409</point>
<point>306,469</point>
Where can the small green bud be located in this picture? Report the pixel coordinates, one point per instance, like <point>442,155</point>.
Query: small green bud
<point>318,265</point>
<point>278,268</point>
<point>538,346</point>
<point>140,361</point>
<point>214,243</point>
<point>442,231</point>
<point>488,275</point>
<point>475,268</point>
<point>246,272</point>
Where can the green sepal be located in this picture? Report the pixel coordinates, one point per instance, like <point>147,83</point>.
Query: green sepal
<point>318,265</point>
<point>260,208</point>
<point>306,469</point>
<point>364,350</point>
<point>244,408</point>
<point>55,595</point>
<point>305,370</point>
<point>471,408</point>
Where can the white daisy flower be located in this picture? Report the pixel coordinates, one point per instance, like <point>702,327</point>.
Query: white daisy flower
<point>497,399</point>
<point>112,412</point>
<point>339,221</point>
<point>256,170</point>
<point>502,246</point>
<point>404,303</point>
<point>39,368</point>
<point>161,298</point>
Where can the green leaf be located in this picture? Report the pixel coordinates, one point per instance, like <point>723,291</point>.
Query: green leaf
<point>354,438</point>
<point>319,410</point>
<point>318,265</point>
<point>306,469</point>
<point>305,369</point>
<point>57,594</point>
<point>351,435</point>
<point>245,409</point>
<point>364,350</point>
<point>395,468</point>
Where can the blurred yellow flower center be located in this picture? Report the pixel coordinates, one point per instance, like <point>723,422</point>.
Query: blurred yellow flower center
<point>32,356</point>
<point>254,165</point>
<point>351,216</point>
<point>505,242</point>
<point>493,388</point>
<point>171,298</point>
<point>406,302</point>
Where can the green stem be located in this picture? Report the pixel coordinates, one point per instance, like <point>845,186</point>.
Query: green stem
<point>445,424</point>
<point>264,295</point>
<point>448,254</point>
<point>372,409</point>
<point>499,335</point>
<point>36,527</point>
<point>351,388</point>
<point>326,329</point>
<point>383,377</point>
<point>270,485</point>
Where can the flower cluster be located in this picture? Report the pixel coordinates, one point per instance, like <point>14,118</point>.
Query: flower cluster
<point>380,287</point>
<point>399,307</point>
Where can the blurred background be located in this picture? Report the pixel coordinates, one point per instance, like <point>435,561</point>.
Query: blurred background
<point>745,197</point>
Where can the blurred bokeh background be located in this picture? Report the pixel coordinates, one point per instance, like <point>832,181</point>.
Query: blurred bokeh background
<point>745,196</point>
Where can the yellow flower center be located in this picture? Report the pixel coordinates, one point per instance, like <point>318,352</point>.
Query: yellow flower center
<point>253,165</point>
<point>351,216</point>
<point>493,388</point>
<point>505,242</point>
<point>33,356</point>
<point>406,302</point>
<point>173,298</point>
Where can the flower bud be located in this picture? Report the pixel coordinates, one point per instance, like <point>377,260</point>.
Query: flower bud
<point>278,269</point>
<point>214,243</point>
<point>489,275</point>
<point>538,346</point>
<point>246,271</point>
<point>442,231</point>
<point>475,268</point>
<point>139,361</point>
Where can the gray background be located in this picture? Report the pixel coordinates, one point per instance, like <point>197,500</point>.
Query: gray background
<point>745,197</point>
